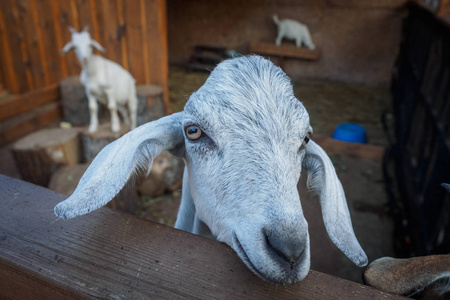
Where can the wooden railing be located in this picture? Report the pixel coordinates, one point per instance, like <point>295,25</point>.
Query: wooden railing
<point>108,254</point>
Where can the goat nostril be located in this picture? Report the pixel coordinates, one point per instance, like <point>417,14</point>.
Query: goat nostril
<point>290,249</point>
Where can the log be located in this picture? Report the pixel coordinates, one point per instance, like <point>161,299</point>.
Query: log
<point>66,179</point>
<point>75,103</point>
<point>166,175</point>
<point>93,142</point>
<point>150,103</point>
<point>40,154</point>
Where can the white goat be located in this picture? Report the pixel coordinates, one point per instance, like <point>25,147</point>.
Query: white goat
<point>104,80</point>
<point>244,137</point>
<point>293,30</point>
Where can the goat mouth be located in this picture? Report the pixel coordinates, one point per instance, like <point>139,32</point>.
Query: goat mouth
<point>243,255</point>
<point>239,248</point>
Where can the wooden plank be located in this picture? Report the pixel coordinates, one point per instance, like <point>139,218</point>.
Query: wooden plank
<point>145,51</point>
<point>31,40</point>
<point>121,32</point>
<point>86,16</point>
<point>48,36</point>
<point>108,24</point>
<point>131,10</point>
<point>6,62</point>
<point>18,28</point>
<point>285,50</point>
<point>156,19</point>
<point>19,104</point>
<point>68,17</point>
<point>40,40</point>
<point>112,255</point>
<point>14,41</point>
<point>54,6</point>
<point>38,118</point>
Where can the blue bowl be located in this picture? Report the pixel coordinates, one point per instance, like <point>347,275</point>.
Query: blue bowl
<point>350,132</point>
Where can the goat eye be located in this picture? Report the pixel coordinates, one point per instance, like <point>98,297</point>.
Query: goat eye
<point>193,132</point>
<point>306,139</point>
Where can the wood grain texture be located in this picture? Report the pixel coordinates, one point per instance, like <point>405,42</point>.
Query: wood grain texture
<point>15,105</point>
<point>32,33</point>
<point>35,119</point>
<point>112,255</point>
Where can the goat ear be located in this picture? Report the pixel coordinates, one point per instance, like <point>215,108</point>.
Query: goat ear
<point>409,276</point>
<point>117,162</point>
<point>322,179</point>
<point>97,46</point>
<point>71,29</point>
<point>69,46</point>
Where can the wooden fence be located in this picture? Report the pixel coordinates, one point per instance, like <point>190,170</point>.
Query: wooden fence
<point>32,33</point>
<point>113,255</point>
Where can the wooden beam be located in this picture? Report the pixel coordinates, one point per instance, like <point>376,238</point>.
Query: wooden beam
<point>22,103</point>
<point>285,50</point>
<point>35,119</point>
<point>113,255</point>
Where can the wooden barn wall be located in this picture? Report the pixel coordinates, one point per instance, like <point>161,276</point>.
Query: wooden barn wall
<point>32,33</point>
<point>358,40</point>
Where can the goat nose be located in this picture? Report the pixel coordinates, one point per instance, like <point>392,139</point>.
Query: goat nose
<point>289,248</point>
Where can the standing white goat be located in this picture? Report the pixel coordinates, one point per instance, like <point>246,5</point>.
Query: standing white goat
<point>104,80</point>
<point>293,30</point>
<point>244,137</point>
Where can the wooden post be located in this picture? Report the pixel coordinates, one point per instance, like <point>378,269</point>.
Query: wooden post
<point>40,154</point>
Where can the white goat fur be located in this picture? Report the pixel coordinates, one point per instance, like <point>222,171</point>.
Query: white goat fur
<point>105,81</point>
<point>240,180</point>
<point>293,30</point>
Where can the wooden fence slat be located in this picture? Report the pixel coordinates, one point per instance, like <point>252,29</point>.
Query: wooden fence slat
<point>14,40</point>
<point>19,28</point>
<point>132,15</point>
<point>49,41</point>
<point>19,104</point>
<point>110,255</point>
<point>157,39</point>
<point>109,29</point>
<point>6,66</point>
<point>36,119</point>
<point>31,41</point>
<point>54,6</point>
<point>66,18</point>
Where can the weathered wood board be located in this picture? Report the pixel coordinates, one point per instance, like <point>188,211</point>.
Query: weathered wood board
<point>112,255</point>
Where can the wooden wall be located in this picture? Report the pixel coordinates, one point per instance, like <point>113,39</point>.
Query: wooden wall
<point>32,32</point>
<point>358,40</point>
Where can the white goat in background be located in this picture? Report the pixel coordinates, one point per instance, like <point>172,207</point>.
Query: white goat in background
<point>244,137</point>
<point>293,30</point>
<point>104,80</point>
